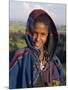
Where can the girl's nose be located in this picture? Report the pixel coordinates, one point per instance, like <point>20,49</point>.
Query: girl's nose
<point>38,37</point>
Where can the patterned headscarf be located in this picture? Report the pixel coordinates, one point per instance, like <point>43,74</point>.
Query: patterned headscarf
<point>53,37</point>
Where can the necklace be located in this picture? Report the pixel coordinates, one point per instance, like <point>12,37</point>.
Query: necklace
<point>42,63</point>
<point>42,60</point>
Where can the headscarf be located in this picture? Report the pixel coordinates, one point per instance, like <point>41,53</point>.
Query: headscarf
<point>53,36</point>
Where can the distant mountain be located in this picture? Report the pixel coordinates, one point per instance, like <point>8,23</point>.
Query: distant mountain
<point>15,26</point>
<point>17,22</point>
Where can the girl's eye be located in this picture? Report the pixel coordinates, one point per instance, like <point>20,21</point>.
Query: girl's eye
<point>35,33</point>
<point>43,34</point>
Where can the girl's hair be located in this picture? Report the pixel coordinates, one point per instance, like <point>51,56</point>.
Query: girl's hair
<point>43,18</point>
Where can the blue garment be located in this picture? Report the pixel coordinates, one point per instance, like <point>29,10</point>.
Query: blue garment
<point>24,70</point>
<point>21,70</point>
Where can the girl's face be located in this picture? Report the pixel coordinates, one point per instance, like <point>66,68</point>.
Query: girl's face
<point>40,35</point>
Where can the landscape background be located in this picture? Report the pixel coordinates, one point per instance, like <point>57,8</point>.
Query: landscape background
<point>19,12</point>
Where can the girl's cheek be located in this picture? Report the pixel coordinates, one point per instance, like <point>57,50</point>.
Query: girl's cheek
<point>44,39</point>
<point>34,37</point>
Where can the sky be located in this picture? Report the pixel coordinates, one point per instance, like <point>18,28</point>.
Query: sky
<point>20,10</point>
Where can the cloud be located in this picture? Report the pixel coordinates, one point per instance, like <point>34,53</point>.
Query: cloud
<point>20,10</point>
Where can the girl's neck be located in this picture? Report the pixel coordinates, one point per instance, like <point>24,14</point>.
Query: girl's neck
<point>41,53</point>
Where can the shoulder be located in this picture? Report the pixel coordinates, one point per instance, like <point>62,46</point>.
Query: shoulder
<point>20,52</point>
<point>18,55</point>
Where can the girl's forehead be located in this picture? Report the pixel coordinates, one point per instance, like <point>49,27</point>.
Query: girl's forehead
<point>41,26</point>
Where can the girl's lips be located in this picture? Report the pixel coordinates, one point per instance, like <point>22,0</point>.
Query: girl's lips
<point>37,46</point>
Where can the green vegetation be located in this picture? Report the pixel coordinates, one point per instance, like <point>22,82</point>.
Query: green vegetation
<point>16,31</point>
<point>17,26</point>
<point>61,29</point>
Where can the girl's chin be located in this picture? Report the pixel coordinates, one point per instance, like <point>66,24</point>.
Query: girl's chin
<point>37,47</point>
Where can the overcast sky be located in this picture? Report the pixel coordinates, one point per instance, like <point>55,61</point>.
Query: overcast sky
<point>19,11</point>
